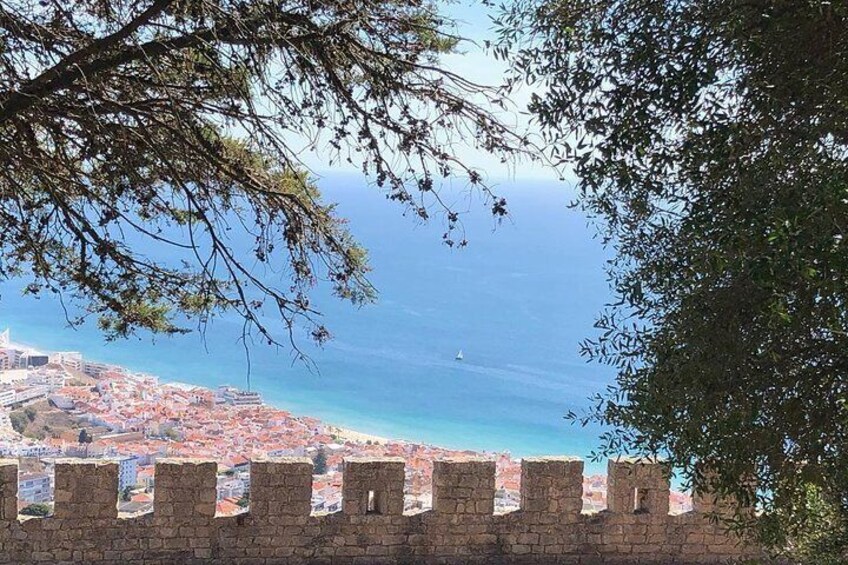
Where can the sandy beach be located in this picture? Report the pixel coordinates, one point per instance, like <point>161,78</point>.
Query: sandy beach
<point>352,435</point>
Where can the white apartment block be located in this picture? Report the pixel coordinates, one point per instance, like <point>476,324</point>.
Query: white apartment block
<point>127,472</point>
<point>7,397</point>
<point>35,487</point>
<point>236,397</point>
<point>68,359</point>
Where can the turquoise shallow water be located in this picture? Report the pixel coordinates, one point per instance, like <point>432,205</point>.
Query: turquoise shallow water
<point>517,301</point>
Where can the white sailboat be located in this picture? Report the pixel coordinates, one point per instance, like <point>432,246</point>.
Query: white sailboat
<point>459,356</point>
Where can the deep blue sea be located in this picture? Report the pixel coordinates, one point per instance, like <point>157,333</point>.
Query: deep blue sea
<point>517,301</point>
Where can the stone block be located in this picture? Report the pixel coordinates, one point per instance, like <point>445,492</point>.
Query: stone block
<point>637,486</point>
<point>8,490</point>
<point>373,485</point>
<point>280,487</point>
<point>86,489</point>
<point>705,501</point>
<point>185,489</point>
<point>464,486</point>
<point>552,485</point>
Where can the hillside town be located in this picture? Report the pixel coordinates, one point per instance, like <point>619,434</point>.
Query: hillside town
<point>61,405</point>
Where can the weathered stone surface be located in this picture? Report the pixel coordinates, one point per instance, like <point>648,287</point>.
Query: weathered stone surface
<point>184,488</point>
<point>373,486</point>
<point>464,486</point>
<point>637,486</point>
<point>280,486</point>
<point>8,489</point>
<point>707,502</point>
<point>552,484</point>
<point>278,529</point>
<point>86,488</point>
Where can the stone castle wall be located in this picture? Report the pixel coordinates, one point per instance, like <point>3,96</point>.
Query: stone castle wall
<point>371,528</point>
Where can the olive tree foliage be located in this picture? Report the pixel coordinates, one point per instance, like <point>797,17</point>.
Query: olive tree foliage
<point>128,126</point>
<point>710,144</point>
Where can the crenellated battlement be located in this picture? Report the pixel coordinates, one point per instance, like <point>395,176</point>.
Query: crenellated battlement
<point>372,527</point>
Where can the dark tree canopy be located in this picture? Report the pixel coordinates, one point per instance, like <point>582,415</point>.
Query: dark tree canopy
<point>133,125</point>
<point>36,509</point>
<point>84,436</point>
<point>710,141</point>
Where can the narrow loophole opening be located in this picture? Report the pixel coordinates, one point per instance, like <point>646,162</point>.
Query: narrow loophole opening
<point>371,506</point>
<point>639,496</point>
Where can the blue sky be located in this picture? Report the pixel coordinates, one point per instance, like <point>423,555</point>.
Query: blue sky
<point>472,62</point>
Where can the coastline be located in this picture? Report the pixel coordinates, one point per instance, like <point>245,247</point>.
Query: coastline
<point>359,437</point>
<point>381,416</point>
<point>344,433</point>
<point>146,417</point>
<point>389,370</point>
